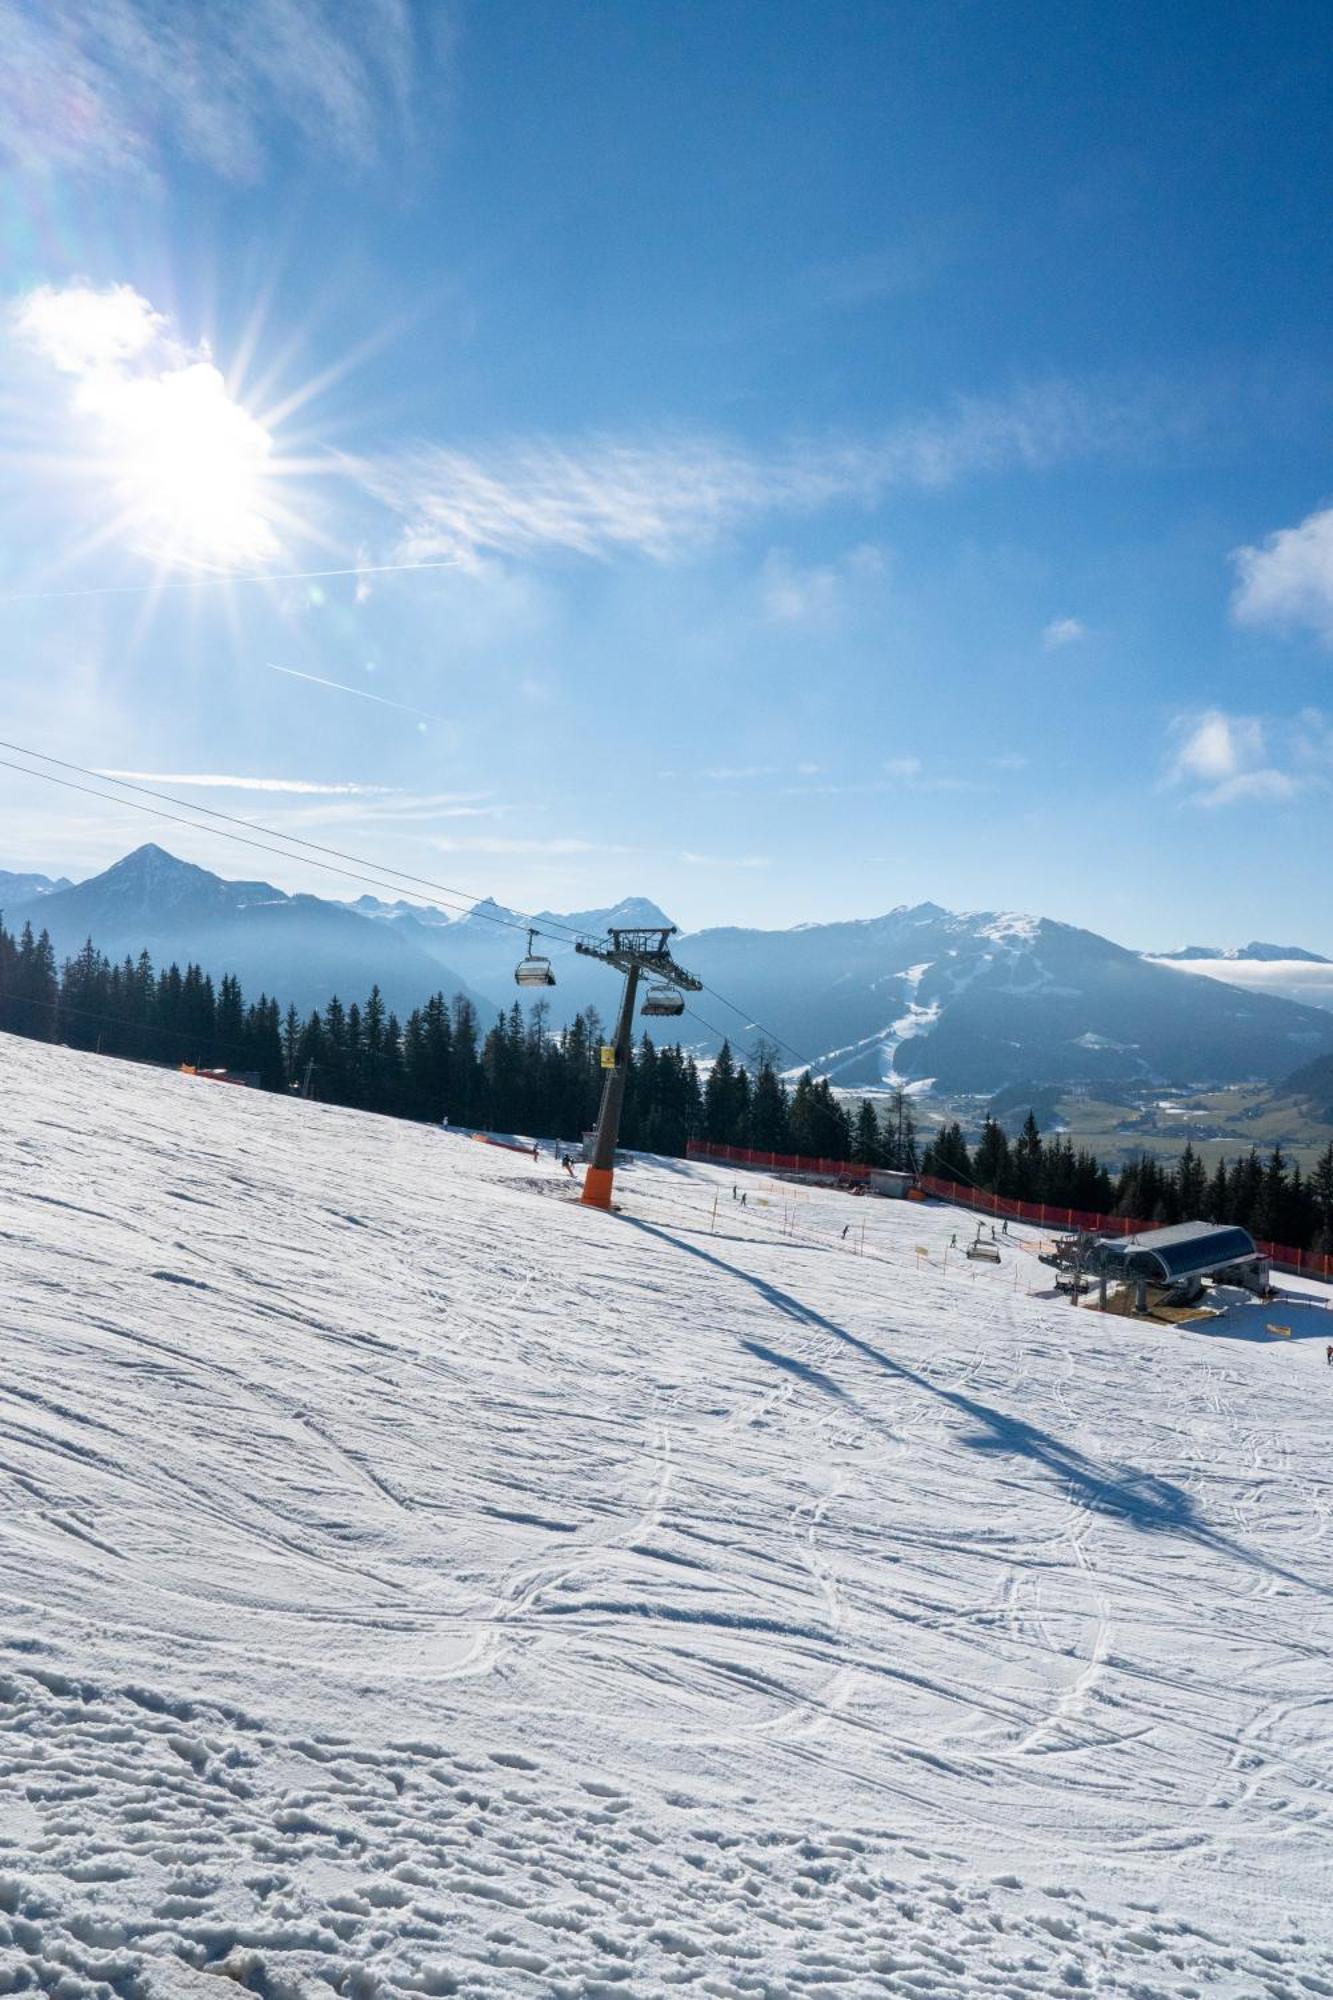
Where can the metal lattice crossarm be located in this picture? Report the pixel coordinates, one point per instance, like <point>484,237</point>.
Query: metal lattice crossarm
<point>643,951</point>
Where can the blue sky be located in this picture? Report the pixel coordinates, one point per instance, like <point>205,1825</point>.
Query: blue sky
<point>783,460</point>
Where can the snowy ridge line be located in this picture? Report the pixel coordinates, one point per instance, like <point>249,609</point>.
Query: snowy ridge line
<point>516,1602</point>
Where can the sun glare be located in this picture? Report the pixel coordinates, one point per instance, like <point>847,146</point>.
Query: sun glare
<point>169,462</point>
<point>191,467</point>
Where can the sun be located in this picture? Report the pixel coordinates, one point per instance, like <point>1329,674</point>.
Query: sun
<point>160,450</point>
<point>192,469</point>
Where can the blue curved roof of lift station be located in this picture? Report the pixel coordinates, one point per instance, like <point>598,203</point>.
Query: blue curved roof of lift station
<point>1188,1250</point>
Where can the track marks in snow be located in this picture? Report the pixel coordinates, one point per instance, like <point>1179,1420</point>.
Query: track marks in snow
<point>173,1848</point>
<point>482,1505</point>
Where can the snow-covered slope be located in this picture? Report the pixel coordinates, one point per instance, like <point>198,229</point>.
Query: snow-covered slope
<point>412,1583</point>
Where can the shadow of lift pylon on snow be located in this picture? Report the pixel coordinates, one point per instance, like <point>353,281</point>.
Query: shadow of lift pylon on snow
<point>1143,1499</point>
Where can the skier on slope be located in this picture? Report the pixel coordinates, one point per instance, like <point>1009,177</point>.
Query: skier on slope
<point>1328,1355</point>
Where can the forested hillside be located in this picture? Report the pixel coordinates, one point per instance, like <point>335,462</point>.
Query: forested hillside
<point>518,1075</point>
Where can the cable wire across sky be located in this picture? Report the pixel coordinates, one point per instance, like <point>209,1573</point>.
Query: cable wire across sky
<point>295,847</point>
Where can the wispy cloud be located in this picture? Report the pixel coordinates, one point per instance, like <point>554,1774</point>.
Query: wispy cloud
<point>693,860</point>
<point>1063,632</point>
<point>222,782</point>
<point>660,496</point>
<point>793,593</point>
<point>561,846</point>
<point>119,85</point>
<point>739,773</point>
<point>1288,579</point>
<point>1222,759</point>
<point>911,774</point>
<point>889,271</point>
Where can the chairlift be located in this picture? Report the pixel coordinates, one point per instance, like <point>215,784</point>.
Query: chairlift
<point>662,998</point>
<point>984,1249</point>
<point>534,970</point>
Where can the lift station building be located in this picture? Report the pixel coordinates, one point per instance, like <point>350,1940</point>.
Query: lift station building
<point>1182,1257</point>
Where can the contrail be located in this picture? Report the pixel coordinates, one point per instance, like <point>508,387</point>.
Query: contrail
<point>364,694</point>
<point>213,582</point>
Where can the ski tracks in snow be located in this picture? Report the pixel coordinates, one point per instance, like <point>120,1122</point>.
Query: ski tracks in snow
<point>410,1583</point>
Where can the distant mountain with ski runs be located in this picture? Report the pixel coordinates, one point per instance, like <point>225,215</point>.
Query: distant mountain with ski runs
<point>968,1001</point>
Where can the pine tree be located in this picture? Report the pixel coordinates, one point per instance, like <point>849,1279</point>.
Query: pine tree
<point>867,1146</point>
<point>768,1112</point>
<point>720,1099</point>
<point>947,1158</point>
<point>1321,1198</point>
<point>1028,1161</point>
<point>1217,1202</point>
<point>1191,1185</point>
<point>991,1163</point>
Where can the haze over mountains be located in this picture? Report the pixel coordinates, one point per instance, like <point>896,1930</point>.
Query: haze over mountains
<point>1261,954</point>
<point>973,1001</point>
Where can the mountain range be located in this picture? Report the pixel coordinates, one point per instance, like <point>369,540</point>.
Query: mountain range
<point>1239,954</point>
<point>971,1002</point>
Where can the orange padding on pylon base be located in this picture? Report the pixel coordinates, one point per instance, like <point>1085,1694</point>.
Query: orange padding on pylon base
<point>597,1187</point>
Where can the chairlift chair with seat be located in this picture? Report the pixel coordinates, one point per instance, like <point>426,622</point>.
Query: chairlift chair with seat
<point>984,1249</point>
<point>662,998</point>
<point>534,970</point>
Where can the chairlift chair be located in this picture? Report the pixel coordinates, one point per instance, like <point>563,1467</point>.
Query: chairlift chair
<point>984,1249</point>
<point>534,970</point>
<point>662,998</point>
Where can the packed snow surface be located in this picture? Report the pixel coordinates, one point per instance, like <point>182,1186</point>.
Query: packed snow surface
<point>412,1583</point>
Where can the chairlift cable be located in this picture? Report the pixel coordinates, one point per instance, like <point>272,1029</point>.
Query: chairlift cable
<point>444,896</point>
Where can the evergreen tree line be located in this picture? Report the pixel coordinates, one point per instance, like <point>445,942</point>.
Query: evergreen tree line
<point>439,1063</point>
<point>1271,1198</point>
<point>520,1076</point>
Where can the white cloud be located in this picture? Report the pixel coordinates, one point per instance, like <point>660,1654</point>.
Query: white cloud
<point>1227,760</point>
<point>1063,632</point>
<point>733,773</point>
<point>220,781</point>
<point>174,465</point>
<point>1289,579</point>
<point>1253,787</point>
<point>693,860</point>
<point>903,767</point>
<point>660,496</point>
<point>815,595</point>
<point>82,331</point>
<point>537,846</point>
<point>1215,745</point>
<point>117,85</point>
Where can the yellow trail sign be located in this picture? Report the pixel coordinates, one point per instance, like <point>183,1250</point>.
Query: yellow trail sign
<point>608,1056</point>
